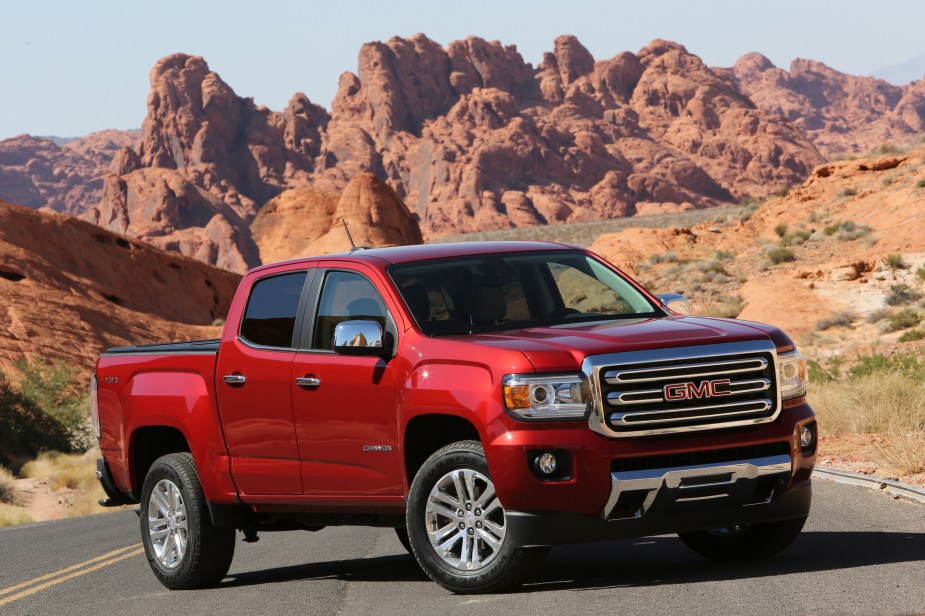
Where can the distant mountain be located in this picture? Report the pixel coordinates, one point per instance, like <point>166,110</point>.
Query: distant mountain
<point>903,73</point>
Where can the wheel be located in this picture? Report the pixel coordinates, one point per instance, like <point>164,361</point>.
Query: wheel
<point>402,534</point>
<point>746,542</point>
<point>183,548</point>
<point>457,527</point>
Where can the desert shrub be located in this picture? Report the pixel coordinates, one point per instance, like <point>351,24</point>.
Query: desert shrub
<point>887,148</point>
<point>839,319</point>
<point>920,183</point>
<point>796,238</point>
<point>218,322</point>
<point>886,181</point>
<point>723,255</point>
<point>901,294</point>
<point>728,308</point>
<point>783,191</point>
<point>53,388</point>
<point>74,472</point>
<point>920,273</point>
<point>878,315</point>
<point>668,257</point>
<point>846,230</point>
<point>779,254</point>
<point>8,493</point>
<point>912,335</point>
<point>904,319</point>
<point>780,230</point>
<point>848,192</point>
<point>895,261</point>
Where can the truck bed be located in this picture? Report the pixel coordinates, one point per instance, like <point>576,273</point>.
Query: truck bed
<point>193,346</point>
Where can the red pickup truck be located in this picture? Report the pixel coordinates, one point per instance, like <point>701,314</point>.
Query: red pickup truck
<point>486,400</point>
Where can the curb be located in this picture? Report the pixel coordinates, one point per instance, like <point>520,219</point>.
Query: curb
<point>890,486</point>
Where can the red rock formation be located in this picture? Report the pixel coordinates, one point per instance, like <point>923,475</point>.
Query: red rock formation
<point>455,130</point>
<point>307,221</point>
<point>71,289</point>
<point>838,112</point>
<point>38,173</point>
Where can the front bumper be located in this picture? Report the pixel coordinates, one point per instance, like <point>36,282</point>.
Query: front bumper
<point>555,528</point>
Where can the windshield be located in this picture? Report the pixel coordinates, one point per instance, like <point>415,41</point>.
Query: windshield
<point>510,291</point>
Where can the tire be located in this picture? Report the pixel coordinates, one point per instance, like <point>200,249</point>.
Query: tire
<point>479,556</point>
<point>744,543</point>
<point>183,548</point>
<point>402,534</point>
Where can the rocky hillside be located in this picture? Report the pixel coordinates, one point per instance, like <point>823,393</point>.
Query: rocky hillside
<point>839,262</point>
<point>38,173</point>
<point>71,289</point>
<point>839,113</point>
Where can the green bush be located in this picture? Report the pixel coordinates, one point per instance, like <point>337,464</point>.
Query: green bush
<point>779,255</point>
<point>912,335</point>
<point>920,272</point>
<point>901,294</point>
<point>53,388</point>
<point>796,238</point>
<point>920,183</point>
<point>904,319</point>
<point>848,192</point>
<point>25,429</point>
<point>887,148</point>
<point>780,230</point>
<point>895,261</point>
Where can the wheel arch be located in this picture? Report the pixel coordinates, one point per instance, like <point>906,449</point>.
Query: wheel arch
<point>426,433</point>
<point>147,444</point>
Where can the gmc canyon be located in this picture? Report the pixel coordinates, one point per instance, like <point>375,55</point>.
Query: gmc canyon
<point>485,400</point>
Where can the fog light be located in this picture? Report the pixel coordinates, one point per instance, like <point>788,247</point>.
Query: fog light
<point>546,463</point>
<point>807,437</point>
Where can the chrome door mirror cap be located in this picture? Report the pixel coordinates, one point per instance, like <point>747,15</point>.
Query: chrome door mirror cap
<point>358,337</point>
<point>675,302</point>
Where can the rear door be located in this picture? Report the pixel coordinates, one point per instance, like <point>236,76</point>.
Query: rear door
<point>252,385</point>
<point>347,416</point>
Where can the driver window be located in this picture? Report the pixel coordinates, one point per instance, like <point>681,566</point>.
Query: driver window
<point>345,296</point>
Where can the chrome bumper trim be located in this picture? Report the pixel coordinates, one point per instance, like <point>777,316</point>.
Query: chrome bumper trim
<point>698,477</point>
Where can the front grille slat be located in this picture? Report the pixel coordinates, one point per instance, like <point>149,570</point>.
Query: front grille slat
<point>687,391</point>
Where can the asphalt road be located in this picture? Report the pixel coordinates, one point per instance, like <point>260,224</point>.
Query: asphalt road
<point>861,553</point>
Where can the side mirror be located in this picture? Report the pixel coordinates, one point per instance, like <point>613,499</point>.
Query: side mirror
<point>675,303</point>
<point>358,337</point>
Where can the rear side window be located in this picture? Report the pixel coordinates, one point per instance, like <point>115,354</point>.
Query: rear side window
<point>269,319</point>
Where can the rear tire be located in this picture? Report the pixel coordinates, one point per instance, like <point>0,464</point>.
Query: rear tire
<point>749,542</point>
<point>457,527</point>
<point>183,548</point>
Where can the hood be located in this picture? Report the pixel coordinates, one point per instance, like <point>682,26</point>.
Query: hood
<point>564,347</point>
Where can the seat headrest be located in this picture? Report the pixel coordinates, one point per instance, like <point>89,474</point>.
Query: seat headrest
<point>488,304</point>
<point>418,300</point>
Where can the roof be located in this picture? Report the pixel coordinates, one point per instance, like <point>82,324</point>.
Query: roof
<point>423,252</point>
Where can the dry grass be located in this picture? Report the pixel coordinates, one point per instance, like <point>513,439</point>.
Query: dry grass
<point>891,404</point>
<point>728,308</point>
<point>76,473</point>
<point>11,515</point>
<point>584,233</point>
<point>904,454</point>
<point>8,493</point>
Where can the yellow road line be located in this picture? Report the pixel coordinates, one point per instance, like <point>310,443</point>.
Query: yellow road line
<point>114,556</point>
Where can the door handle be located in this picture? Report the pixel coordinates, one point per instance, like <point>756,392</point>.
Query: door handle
<point>308,382</point>
<point>235,379</point>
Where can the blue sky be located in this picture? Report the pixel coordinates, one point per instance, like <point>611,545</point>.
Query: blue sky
<point>69,68</point>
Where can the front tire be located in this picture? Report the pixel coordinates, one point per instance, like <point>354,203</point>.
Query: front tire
<point>457,525</point>
<point>183,548</point>
<point>750,542</point>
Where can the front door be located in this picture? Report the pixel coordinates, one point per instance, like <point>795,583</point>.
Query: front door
<point>346,413</point>
<point>252,387</point>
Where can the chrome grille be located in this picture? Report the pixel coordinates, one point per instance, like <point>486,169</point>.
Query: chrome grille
<point>684,389</point>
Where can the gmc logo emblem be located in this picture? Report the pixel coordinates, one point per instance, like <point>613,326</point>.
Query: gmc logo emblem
<point>689,391</point>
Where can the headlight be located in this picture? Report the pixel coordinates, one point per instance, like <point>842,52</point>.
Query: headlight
<point>792,375</point>
<point>546,397</point>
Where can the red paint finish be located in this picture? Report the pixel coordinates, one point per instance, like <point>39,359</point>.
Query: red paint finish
<point>279,447</point>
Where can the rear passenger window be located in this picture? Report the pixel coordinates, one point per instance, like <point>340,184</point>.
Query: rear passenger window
<point>269,319</point>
